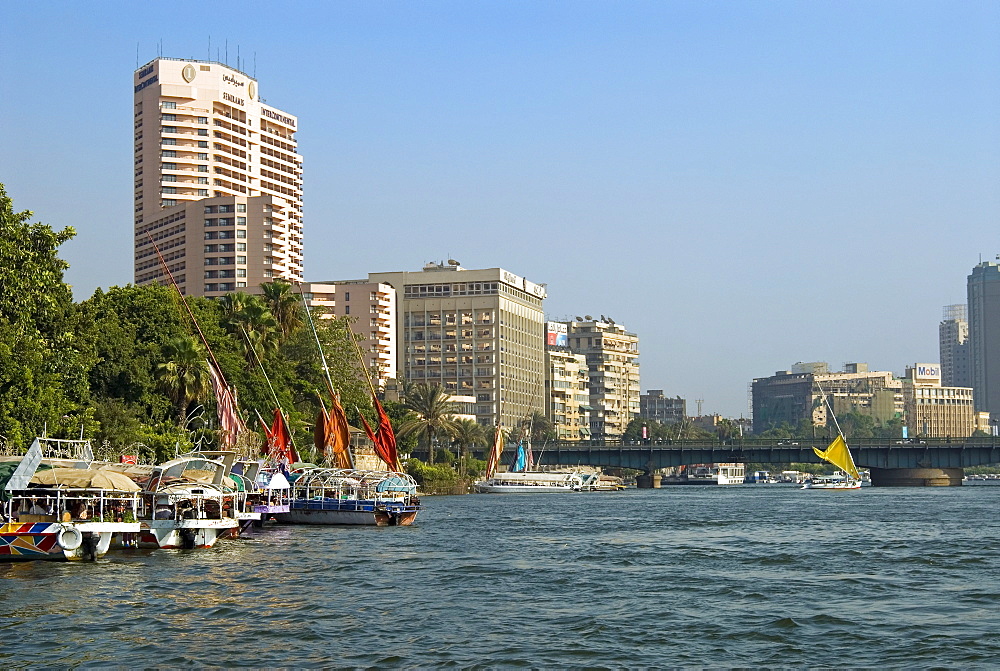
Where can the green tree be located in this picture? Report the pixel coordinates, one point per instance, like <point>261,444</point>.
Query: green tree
<point>43,364</point>
<point>539,428</point>
<point>284,304</point>
<point>184,375</point>
<point>430,416</point>
<point>247,317</point>
<point>468,434</point>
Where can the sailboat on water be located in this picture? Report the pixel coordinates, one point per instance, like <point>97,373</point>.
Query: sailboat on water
<point>520,479</point>
<point>838,454</point>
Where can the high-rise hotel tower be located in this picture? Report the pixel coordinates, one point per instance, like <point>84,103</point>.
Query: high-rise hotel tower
<point>218,180</point>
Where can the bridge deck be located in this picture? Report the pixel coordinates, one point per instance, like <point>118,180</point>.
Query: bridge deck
<point>923,453</point>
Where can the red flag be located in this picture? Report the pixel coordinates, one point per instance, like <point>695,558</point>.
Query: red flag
<point>230,424</point>
<point>384,438</point>
<point>279,440</point>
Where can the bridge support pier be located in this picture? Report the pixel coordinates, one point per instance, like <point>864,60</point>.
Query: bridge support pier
<point>648,481</point>
<point>917,477</point>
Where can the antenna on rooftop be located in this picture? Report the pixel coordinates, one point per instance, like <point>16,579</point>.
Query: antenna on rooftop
<point>137,54</point>
<point>699,401</point>
<point>209,47</point>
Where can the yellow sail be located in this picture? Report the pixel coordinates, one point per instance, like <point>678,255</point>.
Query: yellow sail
<point>839,455</point>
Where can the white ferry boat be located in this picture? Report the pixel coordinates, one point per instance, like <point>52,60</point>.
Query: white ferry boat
<point>709,474</point>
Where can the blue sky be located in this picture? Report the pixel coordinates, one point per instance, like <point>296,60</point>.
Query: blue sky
<point>745,185</point>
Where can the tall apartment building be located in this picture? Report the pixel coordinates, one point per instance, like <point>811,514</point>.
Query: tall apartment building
<point>567,385</point>
<point>791,397</point>
<point>953,346</point>
<point>476,332</point>
<point>934,410</point>
<point>371,307</point>
<point>657,407</point>
<point>612,354</point>
<point>984,336</point>
<point>218,180</point>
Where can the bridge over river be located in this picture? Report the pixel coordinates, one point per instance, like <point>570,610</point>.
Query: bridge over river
<point>893,462</point>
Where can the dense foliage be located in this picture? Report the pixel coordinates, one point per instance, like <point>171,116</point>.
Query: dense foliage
<point>128,366</point>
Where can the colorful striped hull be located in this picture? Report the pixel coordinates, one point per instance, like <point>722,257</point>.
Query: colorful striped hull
<point>30,540</point>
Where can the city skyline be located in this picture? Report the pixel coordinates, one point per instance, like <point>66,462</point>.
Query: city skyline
<point>742,186</point>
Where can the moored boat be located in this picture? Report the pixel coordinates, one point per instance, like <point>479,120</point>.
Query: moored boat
<point>708,474</point>
<point>187,504</point>
<point>343,496</point>
<point>65,513</point>
<point>530,482</point>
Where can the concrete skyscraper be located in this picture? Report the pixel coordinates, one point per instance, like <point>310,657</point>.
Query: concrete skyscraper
<point>218,180</point>
<point>953,343</point>
<point>476,333</point>
<point>984,336</point>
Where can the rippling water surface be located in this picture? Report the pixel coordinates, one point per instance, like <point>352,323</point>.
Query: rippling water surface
<point>683,576</point>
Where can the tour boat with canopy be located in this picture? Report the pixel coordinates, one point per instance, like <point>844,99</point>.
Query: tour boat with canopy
<point>64,513</point>
<point>352,497</point>
<point>189,504</point>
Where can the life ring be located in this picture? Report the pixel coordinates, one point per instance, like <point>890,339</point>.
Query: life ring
<point>70,538</point>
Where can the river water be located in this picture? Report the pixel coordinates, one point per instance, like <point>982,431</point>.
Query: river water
<point>756,575</point>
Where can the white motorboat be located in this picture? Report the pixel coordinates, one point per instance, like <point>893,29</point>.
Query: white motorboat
<point>188,505</point>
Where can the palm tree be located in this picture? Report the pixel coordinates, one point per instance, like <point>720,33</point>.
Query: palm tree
<point>248,318</point>
<point>468,433</point>
<point>284,305</point>
<point>540,428</point>
<point>184,376</point>
<point>430,415</point>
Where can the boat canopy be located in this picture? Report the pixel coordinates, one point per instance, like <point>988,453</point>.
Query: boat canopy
<point>340,478</point>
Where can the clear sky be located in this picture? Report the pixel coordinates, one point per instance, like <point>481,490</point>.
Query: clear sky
<point>743,184</point>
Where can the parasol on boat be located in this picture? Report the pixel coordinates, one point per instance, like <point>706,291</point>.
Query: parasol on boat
<point>82,477</point>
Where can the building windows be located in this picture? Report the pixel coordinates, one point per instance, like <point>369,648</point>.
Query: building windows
<point>202,131</point>
<point>225,208</point>
<point>166,140</point>
<point>241,284</point>
<point>169,117</point>
<point>211,222</point>
<point>241,234</point>
<point>168,129</point>
<point>202,144</point>
<point>203,180</point>
<point>268,273</point>
<point>224,221</point>
<point>169,202</point>
<point>347,309</point>
<point>170,178</point>
<point>211,209</point>
<point>169,153</point>
<point>168,105</point>
<point>203,168</point>
<point>202,157</point>
<point>241,221</point>
<point>347,295</point>
<point>203,192</point>
<point>241,246</point>
<point>268,247</point>
<point>203,120</point>
<point>241,259</point>
<point>241,272</point>
<point>241,207</point>
<point>168,166</point>
<point>169,189</point>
